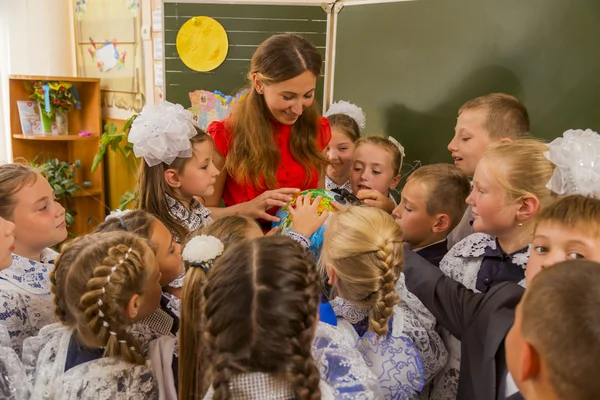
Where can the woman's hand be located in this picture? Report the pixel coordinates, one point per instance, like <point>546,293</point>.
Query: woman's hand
<point>256,208</point>
<point>375,198</point>
<point>305,216</point>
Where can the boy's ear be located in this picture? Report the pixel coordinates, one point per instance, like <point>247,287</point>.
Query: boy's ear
<point>530,363</point>
<point>528,207</point>
<point>506,140</point>
<point>442,223</point>
<point>395,182</point>
<point>172,178</point>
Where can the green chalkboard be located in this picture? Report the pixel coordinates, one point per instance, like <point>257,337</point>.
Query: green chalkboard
<point>247,26</point>
<point>411,65</point>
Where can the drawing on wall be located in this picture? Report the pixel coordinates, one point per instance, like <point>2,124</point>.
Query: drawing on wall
<point>202,44</point>
<point>109,47</point>
<point>212,106</point>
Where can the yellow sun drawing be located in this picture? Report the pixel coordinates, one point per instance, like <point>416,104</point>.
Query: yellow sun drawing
<point>202,44</point>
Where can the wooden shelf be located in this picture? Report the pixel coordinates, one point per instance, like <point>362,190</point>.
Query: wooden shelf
<point>88,202</point>
<point>53,78</point>
<point>59,138</point>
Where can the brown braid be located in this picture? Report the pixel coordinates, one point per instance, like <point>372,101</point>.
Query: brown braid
<point>57,283</point>
<point>86,279</point>
<point>245,332</point>
<point>363,246</point>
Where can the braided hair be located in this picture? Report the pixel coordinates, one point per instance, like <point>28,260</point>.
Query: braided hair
<point>364,248</point>
<point>259,314</point>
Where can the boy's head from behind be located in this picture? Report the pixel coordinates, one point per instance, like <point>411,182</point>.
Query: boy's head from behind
<point>483,121</point>
<point>567,229</point>
<point>432,204</point>
<point>554,345</point>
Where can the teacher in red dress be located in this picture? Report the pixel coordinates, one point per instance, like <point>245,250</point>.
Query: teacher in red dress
<point>272,145</point>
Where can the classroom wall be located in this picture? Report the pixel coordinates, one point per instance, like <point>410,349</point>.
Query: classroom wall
<point>36,38</point>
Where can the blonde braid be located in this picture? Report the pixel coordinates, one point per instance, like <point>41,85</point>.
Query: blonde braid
<point>105,317</point>
<point>385,297</point>
<point>57,283</point>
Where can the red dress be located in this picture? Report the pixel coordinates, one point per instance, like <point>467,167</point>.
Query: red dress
<point>290,173</point>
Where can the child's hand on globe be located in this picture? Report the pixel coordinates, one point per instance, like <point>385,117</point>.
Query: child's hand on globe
<point>305,215</point>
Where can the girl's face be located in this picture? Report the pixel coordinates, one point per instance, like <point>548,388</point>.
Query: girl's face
<point>168,253</point>
<point>199,173</point>
<point>288,99</point>
<point>493,212</point>
<point>150,299</point>
<point>372,169</point>
<point>39,219</point>
<point>339,153</point>
<point>7,239</point>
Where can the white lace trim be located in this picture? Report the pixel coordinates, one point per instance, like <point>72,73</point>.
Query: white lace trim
<point>30,275</point>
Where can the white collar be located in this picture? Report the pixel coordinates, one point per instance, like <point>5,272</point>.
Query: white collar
<point>30,275</point>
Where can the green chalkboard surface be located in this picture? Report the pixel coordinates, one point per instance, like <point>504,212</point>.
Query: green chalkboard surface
<point>411,65</point>
<point>247,26</point>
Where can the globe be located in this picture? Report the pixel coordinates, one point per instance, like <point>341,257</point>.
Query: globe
<point>316,239</point>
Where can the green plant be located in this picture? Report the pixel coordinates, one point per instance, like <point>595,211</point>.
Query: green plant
<point>61,177</point>
<point>60,96</point>
<point>111,140</point>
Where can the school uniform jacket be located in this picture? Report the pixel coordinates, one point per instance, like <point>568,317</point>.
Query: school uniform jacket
<point>481,321</point>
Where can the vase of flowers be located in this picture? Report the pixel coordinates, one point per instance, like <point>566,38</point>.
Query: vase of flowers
<point>56,99</point>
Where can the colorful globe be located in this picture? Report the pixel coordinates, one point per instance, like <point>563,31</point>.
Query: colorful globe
<point>316,239</point>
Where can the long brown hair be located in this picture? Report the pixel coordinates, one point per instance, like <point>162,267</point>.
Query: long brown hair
<point>364,247</point>
<point>267,326</point>
<point>152,188</point>
<point>253,154</point>
<point>91,259</point>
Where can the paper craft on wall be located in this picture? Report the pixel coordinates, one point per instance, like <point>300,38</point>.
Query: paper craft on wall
<point>212,106</point>
<point>202,44</point>
<point>109,47</point>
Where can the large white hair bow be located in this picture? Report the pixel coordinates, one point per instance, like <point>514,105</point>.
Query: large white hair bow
<point>577,158</point>
<point>162,133</point>
<point>351,110</point>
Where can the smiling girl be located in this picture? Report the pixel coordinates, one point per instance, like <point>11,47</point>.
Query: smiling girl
<point>272,145</point>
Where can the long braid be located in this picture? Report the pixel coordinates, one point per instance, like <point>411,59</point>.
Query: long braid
<point>109,270</point>
<point>106,319</point>
<point>303,371</point>
<point>268,325</point>
<point>57,283</point>
<point>385,297</point>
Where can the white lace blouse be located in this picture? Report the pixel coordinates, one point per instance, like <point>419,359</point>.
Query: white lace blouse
<point>25,300</point>
<point>45,355</point>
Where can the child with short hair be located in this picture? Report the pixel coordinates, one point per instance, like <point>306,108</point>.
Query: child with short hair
<point>247,346</point>
<point>561,303</point>
<point>363,257</point>
<point>568,229</point>
<point>113,281</point>
<point>432,204</point>
<point>376,170</point>
<point>346,121</point>
<point>177,168</point>
<point>496,117</point>
<point>28,201</point>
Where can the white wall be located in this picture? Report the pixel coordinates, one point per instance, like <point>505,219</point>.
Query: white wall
<point>36,38</point>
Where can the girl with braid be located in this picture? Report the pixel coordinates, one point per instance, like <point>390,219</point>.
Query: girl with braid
<point>363,257</point>
<point>113,281</point>
<point>247,333</point>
